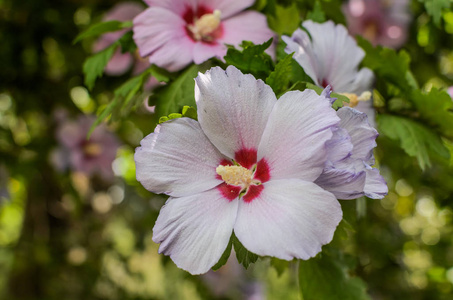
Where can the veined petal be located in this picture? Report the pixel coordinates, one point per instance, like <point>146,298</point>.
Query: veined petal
<point>195,230</point>
<point>375,185</point>
<point>177,159</point>
<point>227,7</point>
<point>339,146</point>
<point>362,82</point>
<point>233,108</point>
<point>290,219</point>
<point>343,183</point>
<point>363,135</point>
<point>247,26</point>
<point>293,142</point>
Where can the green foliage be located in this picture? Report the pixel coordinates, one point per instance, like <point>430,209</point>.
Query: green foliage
<point>226,254</point>
<point>172,97</point>
<point>101,28</point>
<point>435,7</point>
<point>187,111</point>
<point>279,79</point>
<point>301,86</point>
<point>317,14</point>
<point>127,42</point>
<point>243,256</point>
<point>415,139</point>
<point>94,66</point>
<point>252,58</point>
<point>285,19</point>
<point>389,65</point>
<point>436,108</point>
<point>326,277</point>
<point>279,265</point>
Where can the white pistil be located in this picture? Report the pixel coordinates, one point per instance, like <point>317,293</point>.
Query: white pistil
<point>235,175</point>
<point>354,99</point>
<point>205,26</point>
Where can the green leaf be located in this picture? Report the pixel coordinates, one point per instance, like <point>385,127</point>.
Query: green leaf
<point>252,59</point>
<point>415,139</point>
<point>317,14</point>
<point>436,108</point>
<point>279,265</point>
<point>93,67</point>
<point>187,111</point>
<point>279,79</point>
<point>101,28</point>
<point>434,9</point>
<point>389,65</point>
<point>224,258</point>
<point>127,42</point>
<point>285,20</point>
<point>172,97</point>
<point>323,277</point>
<point>243,256</point>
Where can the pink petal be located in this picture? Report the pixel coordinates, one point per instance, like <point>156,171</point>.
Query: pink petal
<point>293,142</point>
<point>290,219</point>
<point>204,51</point>
<point>119,63</point>
<point>233,108</point>
<point>227,7</point>
<point>177,159</point>
<point>123,11</point>
<point>247,26</point>
<point>343,183</point>
<point>195,230</point>
<point>176,6</point>
<point>160,34</point>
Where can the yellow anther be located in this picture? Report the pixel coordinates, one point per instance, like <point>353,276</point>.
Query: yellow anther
<point>354,99</point>
<point>92,149</point>
<point>205,26</point>
<point>235,175</point>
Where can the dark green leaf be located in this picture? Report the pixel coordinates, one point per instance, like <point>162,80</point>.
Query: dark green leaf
<point>175,95</point>
<point>435,7</point>
<point>93,67</point>
<point>226,254</point>
<point>415,139</point>
<point>323,277</point>
<point>189,112</point>
<point>281,76</point>
<point>389,65</point>
<point>243,256</point>
<point>285,20</point>
<point>127,43</point>
<point>436,108</point>
<point>317,14</point>
<point>101,28</point>
<point>252,59</point>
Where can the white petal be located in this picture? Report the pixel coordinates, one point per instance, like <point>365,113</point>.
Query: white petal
<point>339,146</point>
<point>293,143</point>
<point>375,185</point>
<point>363,135</point>
<point>194,231</point>
<point>290,219</point>
<point>227,7</point>
<point>300,44</point>
<point>233,108</point>
<point>177,159</point>
<point>362,82</point>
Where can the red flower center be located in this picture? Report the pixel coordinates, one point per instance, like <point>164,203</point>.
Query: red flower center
<point>243,177</point>
<point>203,24</point>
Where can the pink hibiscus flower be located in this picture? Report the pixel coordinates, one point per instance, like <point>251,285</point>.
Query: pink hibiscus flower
<point>382,22</point>
<point>120,63</point>
<point>174,33</point>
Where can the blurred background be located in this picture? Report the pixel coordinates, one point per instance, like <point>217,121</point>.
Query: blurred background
<point>75,223</point>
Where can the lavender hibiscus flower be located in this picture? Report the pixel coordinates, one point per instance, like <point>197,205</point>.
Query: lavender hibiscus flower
<point>234,170</point>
